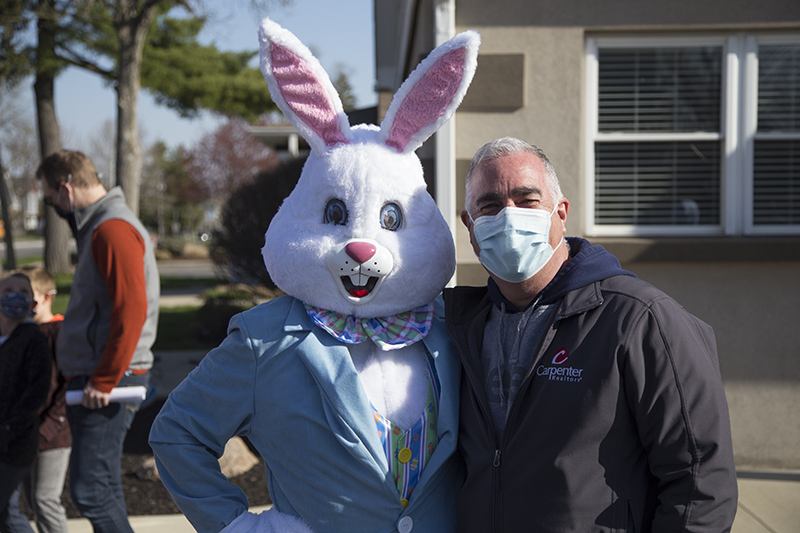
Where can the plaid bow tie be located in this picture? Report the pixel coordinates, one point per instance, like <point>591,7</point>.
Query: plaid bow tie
<point>389,333</point>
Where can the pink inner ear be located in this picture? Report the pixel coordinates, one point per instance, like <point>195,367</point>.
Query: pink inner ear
<point>428,99</point>
<point>305,95</point>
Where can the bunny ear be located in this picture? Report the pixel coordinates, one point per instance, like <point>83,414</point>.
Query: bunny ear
<point>301,88</point>
<point>431,94</point>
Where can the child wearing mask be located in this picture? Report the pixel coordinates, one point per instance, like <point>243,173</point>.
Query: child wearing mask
<point>25,371</point>
<point>44,485</point>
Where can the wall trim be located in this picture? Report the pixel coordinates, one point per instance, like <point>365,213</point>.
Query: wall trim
<point>702,249</point>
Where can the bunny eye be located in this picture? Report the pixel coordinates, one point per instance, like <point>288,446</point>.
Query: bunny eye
<point>335,212</point>
<point>391,217</point>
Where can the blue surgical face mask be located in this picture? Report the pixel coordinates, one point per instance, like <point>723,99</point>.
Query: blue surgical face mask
<point>15,305</point>
<point>514,242</point>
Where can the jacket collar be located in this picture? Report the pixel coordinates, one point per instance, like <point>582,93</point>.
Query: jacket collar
<point>84,215</point>
<point>580,301</point>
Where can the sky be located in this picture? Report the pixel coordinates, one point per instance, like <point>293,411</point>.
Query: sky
<point>84,104</point>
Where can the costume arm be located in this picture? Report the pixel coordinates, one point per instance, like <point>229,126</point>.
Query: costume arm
<point>118,251</point>
<point>213,404</point>
<point>675,390</point>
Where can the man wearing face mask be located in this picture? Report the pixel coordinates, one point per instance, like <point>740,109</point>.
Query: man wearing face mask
<point>108,330</point>
<point>590,400</point>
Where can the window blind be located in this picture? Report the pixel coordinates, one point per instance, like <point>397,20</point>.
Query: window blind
<point>671,89</point>
<point>657,183</point>
<point>776,161</point>
<point>776,182</point>
<point>779,88</point>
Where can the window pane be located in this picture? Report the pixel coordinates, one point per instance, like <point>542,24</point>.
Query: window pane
<point>660,89</point>
<point>779,88</point>
<point>655,183</point>
<point>776,182</point>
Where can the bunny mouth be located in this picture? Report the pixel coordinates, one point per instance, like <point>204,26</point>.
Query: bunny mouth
<point>359,291</point>
<point>359,268</point>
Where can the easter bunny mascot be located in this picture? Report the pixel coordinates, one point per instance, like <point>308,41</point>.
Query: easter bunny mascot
<point>347,386</point>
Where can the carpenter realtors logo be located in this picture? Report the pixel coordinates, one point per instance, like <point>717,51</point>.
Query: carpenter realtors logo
<point>558,371</point>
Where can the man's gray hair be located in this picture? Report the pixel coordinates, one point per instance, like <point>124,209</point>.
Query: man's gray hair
<point>511,145</point>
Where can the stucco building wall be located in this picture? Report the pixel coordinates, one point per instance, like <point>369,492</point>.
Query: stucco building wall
<point>747,288</point>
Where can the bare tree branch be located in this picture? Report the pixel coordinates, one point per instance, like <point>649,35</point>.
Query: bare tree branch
<point>75,59</point>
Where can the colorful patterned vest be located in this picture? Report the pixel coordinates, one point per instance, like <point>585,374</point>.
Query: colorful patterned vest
<point>409,452</point>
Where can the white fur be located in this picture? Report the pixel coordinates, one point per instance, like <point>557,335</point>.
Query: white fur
<point>365,176</point>
<point>396,381</point>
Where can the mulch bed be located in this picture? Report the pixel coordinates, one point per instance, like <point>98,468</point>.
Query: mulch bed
<point>149,497</point>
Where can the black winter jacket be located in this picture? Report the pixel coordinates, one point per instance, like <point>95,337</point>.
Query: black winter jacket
<point>25,370</point>
<point>620,425</point>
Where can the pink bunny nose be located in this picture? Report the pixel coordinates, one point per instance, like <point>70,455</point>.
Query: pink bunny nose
<point>360,251</point>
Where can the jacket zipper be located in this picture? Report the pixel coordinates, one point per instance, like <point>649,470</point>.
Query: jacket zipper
<point>476,385</point>
<point>496,523</point>
<point>548,339</point>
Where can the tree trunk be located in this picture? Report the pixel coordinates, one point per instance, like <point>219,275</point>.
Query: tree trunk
<point>132,27</point>
<point>8,234</point>
<point>57,233</point>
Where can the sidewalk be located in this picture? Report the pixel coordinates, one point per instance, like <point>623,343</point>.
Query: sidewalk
<point>147,524</point>
<point>188,269</point>
<point>769,502</point>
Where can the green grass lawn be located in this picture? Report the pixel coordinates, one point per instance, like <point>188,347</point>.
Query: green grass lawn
<point>177,326</point>
<point>178,329</point>
<point>63,285</point>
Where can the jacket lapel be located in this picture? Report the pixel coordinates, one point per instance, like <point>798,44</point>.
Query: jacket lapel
<point>345,403</point>
<point>448,369</point>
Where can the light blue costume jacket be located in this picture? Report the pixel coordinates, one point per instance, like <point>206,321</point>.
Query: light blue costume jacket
<point>292,389</point>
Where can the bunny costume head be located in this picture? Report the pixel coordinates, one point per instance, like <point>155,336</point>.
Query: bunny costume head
<point>360,235</point>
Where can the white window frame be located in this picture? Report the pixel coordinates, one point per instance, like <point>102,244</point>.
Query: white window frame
<point>750,127</point>
<point>739,100</point>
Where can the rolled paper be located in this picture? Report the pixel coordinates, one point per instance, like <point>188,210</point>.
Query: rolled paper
<point>119,394</point>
